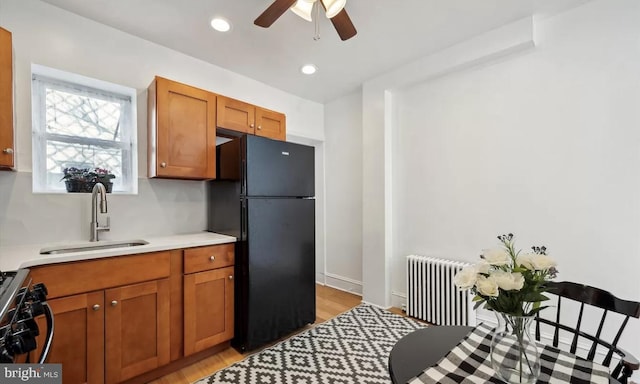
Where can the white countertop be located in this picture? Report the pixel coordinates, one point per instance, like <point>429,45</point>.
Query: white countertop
<point>24,256</point>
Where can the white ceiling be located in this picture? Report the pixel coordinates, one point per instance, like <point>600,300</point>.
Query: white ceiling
<point>390,33</point>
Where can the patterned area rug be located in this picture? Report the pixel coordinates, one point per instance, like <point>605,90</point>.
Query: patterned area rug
<point>352,348</point>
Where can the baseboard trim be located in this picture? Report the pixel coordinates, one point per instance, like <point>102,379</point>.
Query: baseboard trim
<point>343,283</point>
<point>374,305</point>
<point>399,300</point>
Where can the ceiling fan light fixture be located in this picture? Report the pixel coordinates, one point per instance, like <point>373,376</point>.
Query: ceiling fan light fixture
<point>333,7</point>
<point>303,9</point>
<point>335,10</point>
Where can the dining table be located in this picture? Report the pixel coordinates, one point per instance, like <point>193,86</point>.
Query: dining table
<point>419,358</point>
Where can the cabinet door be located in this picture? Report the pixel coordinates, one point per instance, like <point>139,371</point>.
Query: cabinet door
<point>208,309</point>
<point>270,124</point>
<point>236,115</point>
<point>136,329</point>
<point>6,100</point>
<point>185,132</point>
<point>78,338</point>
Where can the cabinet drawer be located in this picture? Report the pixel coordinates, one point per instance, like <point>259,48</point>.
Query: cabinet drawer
<point>86,276</point>
<point>207,258</point>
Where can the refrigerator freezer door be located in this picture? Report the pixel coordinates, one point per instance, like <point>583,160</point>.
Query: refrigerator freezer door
<point>280,267</point>
<point>278,168</point>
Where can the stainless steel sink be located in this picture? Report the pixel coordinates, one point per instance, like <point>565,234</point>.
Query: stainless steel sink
<point>93,246</point>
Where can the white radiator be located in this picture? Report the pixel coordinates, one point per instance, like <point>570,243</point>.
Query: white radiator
<point>431,294</point>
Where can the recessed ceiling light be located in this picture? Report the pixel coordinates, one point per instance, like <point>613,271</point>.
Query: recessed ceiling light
<point>220,24</point>
<point>308,69</point>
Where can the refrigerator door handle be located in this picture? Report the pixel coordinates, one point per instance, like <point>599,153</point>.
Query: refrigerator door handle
<point>243,221</point>
<point>243,179</point>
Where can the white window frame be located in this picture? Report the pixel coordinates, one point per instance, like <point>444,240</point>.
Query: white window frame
<point>44,77</point>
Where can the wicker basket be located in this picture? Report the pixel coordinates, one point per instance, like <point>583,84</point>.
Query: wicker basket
<point>76,186</point>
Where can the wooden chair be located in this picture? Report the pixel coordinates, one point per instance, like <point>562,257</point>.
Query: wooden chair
<point>595,297</point>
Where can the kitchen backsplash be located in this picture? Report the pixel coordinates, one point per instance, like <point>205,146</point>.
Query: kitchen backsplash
<point>161,207</point>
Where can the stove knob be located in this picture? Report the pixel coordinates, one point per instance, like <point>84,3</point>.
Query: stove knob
<point>5,355</point>
<point>32,327</point>
<point>22,342</point>
<point>40,291</point>
<point>36,308</point>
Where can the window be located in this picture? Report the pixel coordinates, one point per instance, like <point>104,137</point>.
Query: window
<point>83,123</point>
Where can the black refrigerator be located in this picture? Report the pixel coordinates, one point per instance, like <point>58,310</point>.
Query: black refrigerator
<point>264,196</point>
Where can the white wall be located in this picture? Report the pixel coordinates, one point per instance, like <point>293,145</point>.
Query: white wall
<point>380,126</point>
<point>543,144</point>
<point>49,36</point>
<point>343,134</point>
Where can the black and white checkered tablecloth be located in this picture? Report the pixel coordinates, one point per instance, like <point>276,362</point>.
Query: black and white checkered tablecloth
<point>469,362</point>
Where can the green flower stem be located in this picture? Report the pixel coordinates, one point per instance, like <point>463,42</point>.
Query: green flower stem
<point>518,328</point>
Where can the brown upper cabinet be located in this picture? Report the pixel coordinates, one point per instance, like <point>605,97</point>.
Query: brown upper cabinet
<point>242,117</point>
<point>236,115</point>
<point>270,124</point>
<point>182,131</point>
<point>6,100</point>
<point>183,121</point>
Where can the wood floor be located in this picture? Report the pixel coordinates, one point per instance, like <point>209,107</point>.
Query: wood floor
<point>329,303</point>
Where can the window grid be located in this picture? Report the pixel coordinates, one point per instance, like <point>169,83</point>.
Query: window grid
<point>78,126</point>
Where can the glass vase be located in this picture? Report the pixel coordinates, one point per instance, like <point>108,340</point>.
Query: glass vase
<point>514,353</point>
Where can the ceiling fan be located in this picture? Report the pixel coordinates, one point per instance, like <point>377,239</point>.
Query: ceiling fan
<point>334,10</point>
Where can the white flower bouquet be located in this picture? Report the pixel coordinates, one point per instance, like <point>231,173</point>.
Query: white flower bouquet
<point>508,281</point>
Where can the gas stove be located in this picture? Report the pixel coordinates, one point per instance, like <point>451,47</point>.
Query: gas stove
<point>20,304</point>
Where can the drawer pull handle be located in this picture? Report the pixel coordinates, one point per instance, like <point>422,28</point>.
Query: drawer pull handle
<point>230,277</point>
<point>212,258</point>
<point>96,307</point>
<point>8,151</point>
<point>114,303</point>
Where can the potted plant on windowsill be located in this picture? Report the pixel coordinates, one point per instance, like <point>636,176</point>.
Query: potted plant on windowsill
<point>84,179</point>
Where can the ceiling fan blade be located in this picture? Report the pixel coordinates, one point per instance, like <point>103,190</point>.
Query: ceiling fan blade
<point>344,26</point>
<point>271,14</point>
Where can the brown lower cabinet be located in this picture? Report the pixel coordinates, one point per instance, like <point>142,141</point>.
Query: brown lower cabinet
<point>113,316</point>
<point>124,329</point>
<point>208,309</point>
<point>136,329</point>
<point>79,337</point>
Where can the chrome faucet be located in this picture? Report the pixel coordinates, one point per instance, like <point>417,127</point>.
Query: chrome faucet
<point>98,189</point>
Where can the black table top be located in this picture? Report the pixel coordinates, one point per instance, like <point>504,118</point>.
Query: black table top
<point>421,349</point>
<point>425,347</point>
